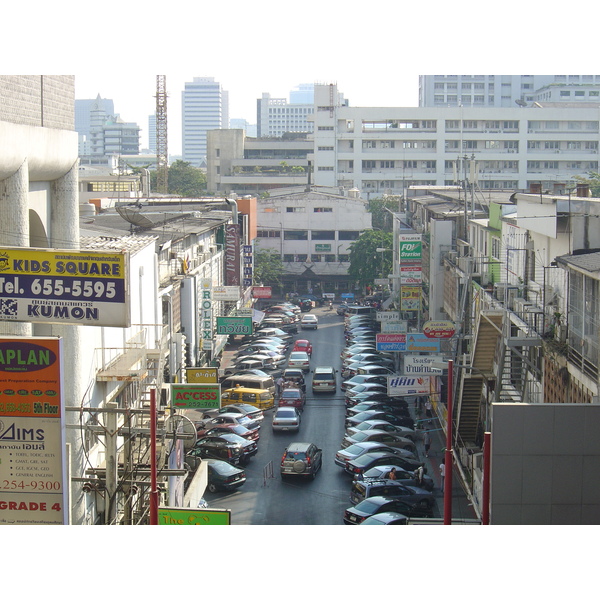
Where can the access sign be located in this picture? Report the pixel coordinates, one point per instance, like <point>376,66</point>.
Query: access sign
<point>195,395</point>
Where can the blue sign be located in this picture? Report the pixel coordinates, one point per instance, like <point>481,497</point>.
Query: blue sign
<point>419,342</point>
<point>390,347</point>
<point>348,295</point>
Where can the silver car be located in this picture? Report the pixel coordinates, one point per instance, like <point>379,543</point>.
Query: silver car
<point>286,418</point>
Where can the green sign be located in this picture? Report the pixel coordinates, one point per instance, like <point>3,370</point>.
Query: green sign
<point>234,325</point>
<point>189,516</point>
<point>322,247</point>
<point>410,251</point>
<point>196,395</point>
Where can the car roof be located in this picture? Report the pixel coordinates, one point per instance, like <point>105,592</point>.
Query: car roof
<point>299,446</point>
<point>324,369</point>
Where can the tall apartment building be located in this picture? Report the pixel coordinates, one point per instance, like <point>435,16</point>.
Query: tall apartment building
<point>205,106</point>
<point>276,116</point>
<point>387,150</point>
<point>501,91</point>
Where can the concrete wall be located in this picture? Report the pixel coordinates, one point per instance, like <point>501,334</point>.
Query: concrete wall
<point>545,464</point>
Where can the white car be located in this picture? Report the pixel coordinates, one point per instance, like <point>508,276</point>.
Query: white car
<point>309,322</point>
<point>286,418</point>
<point>299,360</point>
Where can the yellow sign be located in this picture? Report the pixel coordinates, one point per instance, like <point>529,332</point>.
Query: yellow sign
<point>202,375</point>
<point>189,516</point>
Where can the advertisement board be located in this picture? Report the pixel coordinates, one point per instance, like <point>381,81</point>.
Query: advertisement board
<point>261,292</point>
<point>408,386</point>
<point>190,516</point>
<point>390,342</point>
<point>411,275</point>
<point>391,315</point>
<point>394,327</point>
<point>33,481</point>
<point>234,325</point>
<point>202,375</point>
<point>418,342</point>
<point>226,293</point>
<point>64,286</point>
<point>421,364</point>
<point>196,395</point>
<point>410,298</point>
<point>439,329</point>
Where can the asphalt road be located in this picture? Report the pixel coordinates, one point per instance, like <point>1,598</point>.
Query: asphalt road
<point>267,500</point>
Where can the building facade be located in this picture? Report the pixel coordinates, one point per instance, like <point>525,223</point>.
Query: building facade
<point>276,116</point>
<point>204,106</point>
<point>500,91</point>
<point>387,150</point>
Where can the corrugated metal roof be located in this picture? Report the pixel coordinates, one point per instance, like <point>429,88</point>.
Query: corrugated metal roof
<point>588,262</point>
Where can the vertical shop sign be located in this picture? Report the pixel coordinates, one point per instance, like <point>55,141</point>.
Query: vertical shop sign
<point>232,255</point>
<point>206,313</point>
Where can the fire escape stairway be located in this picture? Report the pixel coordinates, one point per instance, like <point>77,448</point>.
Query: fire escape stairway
<point>471,380</point>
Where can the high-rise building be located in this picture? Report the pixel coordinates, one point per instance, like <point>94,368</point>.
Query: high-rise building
<point>501,91</point>
<point>276,116</point>
<point>204,106</point>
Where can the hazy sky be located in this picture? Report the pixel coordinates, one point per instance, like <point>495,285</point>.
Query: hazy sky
<point>374,52</point>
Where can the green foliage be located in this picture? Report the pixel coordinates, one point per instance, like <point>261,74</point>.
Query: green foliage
<point>366,264</point>
<point>381,218</point>
<point>268,267</point>
<point>185,180</point>
<point>593,180</point>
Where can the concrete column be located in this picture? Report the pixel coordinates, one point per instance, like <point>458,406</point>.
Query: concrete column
<point>14,216</point>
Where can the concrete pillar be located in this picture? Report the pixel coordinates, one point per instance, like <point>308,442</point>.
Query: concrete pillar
<point>14,216</point>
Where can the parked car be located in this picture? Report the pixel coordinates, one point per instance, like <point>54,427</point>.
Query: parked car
<point>324,380</point>
<point>221,447</point>
<point>353,451</point>
<point>383,437</point>
<point>228,418</point>
<point>361,464</point>
<point>366,387</point>
<point>361,490</point>
<point>382,415</point>
<point>302,346</point>
<point>309,322</point>
<point>247,434</point>
<point>371,506</point>
<point>270,322</point>
<point>292,396</point>
<point>316,299</point>
<point>246,410</point>
<point>299,360</point>
<point>301,459</point>
<point>341,308</point>
<point>358,349</point>
<point>381,425</point>
<point>387,406</point>
<point>374,369</point>
<point>246,363</point>
<point>364,379</point>
<point>222,476</point>
<point>275,332</point>
<point>386,518</point>
<point>408,477</point>
<point>286,418</point>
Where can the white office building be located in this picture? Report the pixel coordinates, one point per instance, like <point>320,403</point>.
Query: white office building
<point>276,116</point>
<point>387,150</point>
<point>500,91</point>
<point>205,106</point>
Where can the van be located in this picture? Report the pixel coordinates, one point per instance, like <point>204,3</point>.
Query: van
<point>357,309</point>
<point>262,399</point>
<point>249,381</point>
<point>324,380</point>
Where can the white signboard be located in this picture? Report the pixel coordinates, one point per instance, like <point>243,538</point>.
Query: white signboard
<point>417,364</point>
<point>392,315</point>
<point>228,293</point>
<point>394,327</point>
<point>401,385</point>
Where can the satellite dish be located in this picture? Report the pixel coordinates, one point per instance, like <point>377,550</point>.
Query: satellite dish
<point>181,428</point>
<point>133,215</point>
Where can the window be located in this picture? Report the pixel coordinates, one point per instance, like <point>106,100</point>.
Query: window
<point>390,144</point>
<point>369,144</point>
<point>322,235</point>
<point>323,128</point>
<point>470,145</point>
<point>531,145</point>
<point>316,258</point>
<point>368,164</point>
<point>492,145</point>
<point>288,258</point>
<point>295,209</point>
<point>325,169</point>
<point>343,258</point>
<point>551,164</point>
<point>410,164</point>
<point>452,124</point>
<point>329,257</point>
<point>387,164</point>
<point>470,124</point>
<point>326,148</point>
<point>512,146</point>
<point>551,145</point>
<point>348,235</point>
<point>496,248</point>
<point>327,209</point>
<point>292,234</point>
<point>268,233</point>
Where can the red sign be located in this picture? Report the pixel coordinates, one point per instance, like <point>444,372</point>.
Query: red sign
<point>393,338</point>
<point>439,329</point>
<point>261,292</point>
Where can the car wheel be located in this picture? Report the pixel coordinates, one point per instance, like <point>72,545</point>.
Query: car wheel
<point>299,466</point>
<point>212,488</point>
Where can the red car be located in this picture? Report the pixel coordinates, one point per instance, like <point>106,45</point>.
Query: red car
<point>303,346</point>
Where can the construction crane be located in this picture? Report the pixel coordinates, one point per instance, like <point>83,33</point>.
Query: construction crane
<point>162,151</point>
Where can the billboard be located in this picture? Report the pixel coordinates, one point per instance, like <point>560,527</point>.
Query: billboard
<point>33,480</point>
<point>408,386</point>
<point>422,364</point>
<point>64,286</point>
<point>196,395</point>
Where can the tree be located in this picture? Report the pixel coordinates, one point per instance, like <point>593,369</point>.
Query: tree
<point>593,180</point>
<point>268,267</point>
<point>366,264</point>
<point>184,180</point>
<point>380,209</point>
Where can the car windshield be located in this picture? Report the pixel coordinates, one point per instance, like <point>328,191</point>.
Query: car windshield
<point>359,437</point>
<point>367,506</point>
<point>285,414</point>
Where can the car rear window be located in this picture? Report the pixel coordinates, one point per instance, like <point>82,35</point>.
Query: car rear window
<point>296,456</point>
<point>285,414</point>
<point>323,376</point>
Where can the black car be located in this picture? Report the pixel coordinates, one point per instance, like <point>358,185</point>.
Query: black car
<point>367,461</point>
<point>223,476</point>
<point>408,477</point>
<point>227,446</point>
<point>378,504</point>
<point>361,490</point>
<point>388,407</point>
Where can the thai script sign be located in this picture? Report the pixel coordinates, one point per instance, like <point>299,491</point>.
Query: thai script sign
<point>407,386</point>
<point>421,364</point>
<point>439,329</point>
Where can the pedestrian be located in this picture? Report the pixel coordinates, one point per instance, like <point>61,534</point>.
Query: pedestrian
<point>428,409</point>
<point>427,442</point>
<point>442,473</point>
<point>392,474</point>
<point>279,384</point>
<point>418,473</point>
